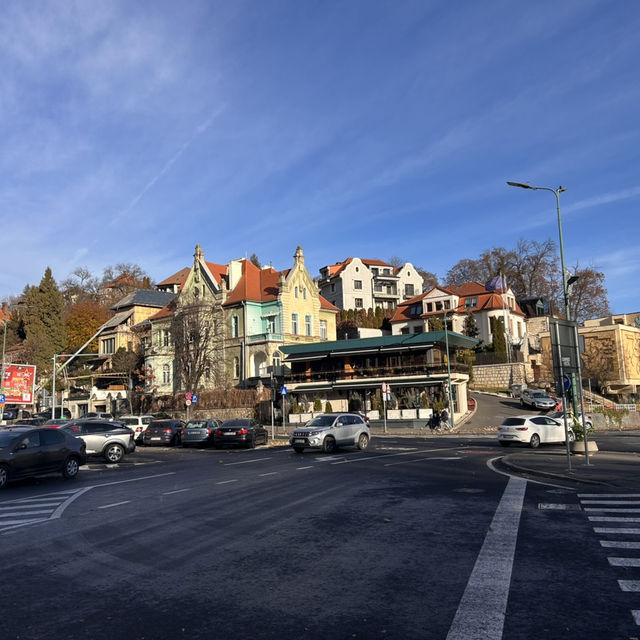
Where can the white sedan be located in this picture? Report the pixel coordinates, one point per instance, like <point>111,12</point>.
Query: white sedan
<point>532,430</point>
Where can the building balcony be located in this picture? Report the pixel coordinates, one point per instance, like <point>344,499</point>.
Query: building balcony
<point>265,337</point>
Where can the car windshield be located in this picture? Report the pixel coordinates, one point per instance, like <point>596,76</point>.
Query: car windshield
<point>321,421</point>
<point>129,420</point>
<point>236,423</point>
<point>196,425</point>
<point>539,394</point>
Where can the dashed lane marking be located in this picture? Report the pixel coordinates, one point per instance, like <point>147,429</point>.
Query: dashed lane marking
<point>114,504</point>
<point>624,562</point>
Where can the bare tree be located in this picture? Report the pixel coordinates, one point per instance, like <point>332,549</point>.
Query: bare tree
<point>196,331</point>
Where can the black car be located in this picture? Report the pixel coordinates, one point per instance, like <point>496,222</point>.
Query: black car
<point>61,412</point>
<point>163,432</point>
<point>29,451</point>
<point>36,421</point>
<point>199,432</point>
<point>242,431</point>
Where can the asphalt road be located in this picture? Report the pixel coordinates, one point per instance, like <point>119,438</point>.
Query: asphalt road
<point>416,538</point>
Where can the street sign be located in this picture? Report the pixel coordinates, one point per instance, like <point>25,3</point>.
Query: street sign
<point>566,382</point>
<point>188,395</point>
<point>2,398</point>
<point>283,390</point>
<point>188,403</point>
<point>194,398</point>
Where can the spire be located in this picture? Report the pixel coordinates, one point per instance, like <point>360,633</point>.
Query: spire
<point>298,256</point>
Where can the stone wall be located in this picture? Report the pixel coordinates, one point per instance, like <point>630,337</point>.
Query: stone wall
<point>500,376</point>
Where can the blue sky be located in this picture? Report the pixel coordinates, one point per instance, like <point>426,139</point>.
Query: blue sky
<point>134,130</point>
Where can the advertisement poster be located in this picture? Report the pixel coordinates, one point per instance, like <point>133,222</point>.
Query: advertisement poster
<point>18,383</point>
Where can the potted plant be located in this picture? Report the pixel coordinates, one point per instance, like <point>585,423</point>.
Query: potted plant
<point>578,446</point>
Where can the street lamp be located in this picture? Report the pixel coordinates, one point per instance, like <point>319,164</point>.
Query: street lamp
<point>452,409</point>
<point>565,283</point>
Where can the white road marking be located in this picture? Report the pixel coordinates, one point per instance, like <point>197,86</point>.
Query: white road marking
<point>113,504</point>
<point>612,519</point>
<point>13,513</point>
<point>609,495</point>
<point>619,544</point>
<point>169,493</point>
<point>299,468</point>
<point>273,473</point>
<point>24,505</point>
<point>371,458</point>
<point>232,464</point>
<point>552,506</point>
<point>628,502</point>
<point>612,510</point>
<point>636,616</point>
<point>614,530</point>
<point>624,562</point>
<point>629,585</point>
<point>226,481</point>
<point>481,611</point>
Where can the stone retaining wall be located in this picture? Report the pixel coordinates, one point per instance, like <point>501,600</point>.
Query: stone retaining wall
<point>499,376</point>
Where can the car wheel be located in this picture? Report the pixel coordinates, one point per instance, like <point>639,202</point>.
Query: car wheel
<point>535,441</point>
<point>71,467</point>
<point>363,441</point>
<point>113,453</point>
<point>298,449</point>
<point>4,476</point>
<point>252,443</point>
<point>504,443</point>
<point>329,445</point>
<point>572,436</point>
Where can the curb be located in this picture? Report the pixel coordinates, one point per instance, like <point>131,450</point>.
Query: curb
<point>549,474</point>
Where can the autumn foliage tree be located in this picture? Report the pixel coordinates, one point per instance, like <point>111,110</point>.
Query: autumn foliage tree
<point>82,320</point>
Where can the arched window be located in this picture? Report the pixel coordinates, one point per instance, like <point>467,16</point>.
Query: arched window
<point>297,292</point>
<point>304,293</point>
<point>308,325</point>
<point>236,367</point>
<point>166,374</point>
<point>235,326</point>
<point>294,323</point>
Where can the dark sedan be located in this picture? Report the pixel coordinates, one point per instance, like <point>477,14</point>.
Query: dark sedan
<point>243,431</point>
<point>199,432</point>
<point>163,432</point>
<point>29,451</point>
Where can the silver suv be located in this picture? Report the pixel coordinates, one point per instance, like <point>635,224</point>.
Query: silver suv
<point>330,430</point>
<point>110,440</point>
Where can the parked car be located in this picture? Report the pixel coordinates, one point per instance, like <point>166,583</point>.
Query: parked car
<point>532,430</point>
<point>330,430</point>
<point>536,399</point>
<point>36,421</point>
<point>559,415</point>
<point>517,389</point>
<point>138,424</point>
<point>54,423</point>
<point>199,432</point>
<point>242,431</point>
<point>61,412</point>
<point>109,440</point>
<point>163,432</point>
<point>15,413</point>
<point>101,415</point>
<point>29,451</point>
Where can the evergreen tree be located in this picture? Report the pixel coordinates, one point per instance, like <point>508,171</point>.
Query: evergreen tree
<point>470,326</point>
<point>44,326</point>
<point>499,341</point>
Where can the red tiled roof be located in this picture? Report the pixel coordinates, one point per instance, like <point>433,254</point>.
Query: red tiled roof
<point>335,269</point>
<point>177,278</point>
<point>257,285</point>
<point>166,312</point>
<point>325,304</point>
<point>218,271</point>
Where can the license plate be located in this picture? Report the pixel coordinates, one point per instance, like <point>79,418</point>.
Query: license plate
<point>229,433</point>
<point>156,438</point>
<point>299,440</point>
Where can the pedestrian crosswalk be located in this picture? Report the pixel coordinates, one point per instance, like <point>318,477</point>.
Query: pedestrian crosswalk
<point>17,513</point>
<point>618,536</point>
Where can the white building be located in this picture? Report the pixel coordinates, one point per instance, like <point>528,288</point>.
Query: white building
<point>358,283</point>
<point>412,316</point>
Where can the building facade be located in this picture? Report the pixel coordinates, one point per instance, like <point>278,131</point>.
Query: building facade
<point>358,283</point>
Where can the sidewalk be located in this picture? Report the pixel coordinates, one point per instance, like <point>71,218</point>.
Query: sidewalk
<point>620,471</point>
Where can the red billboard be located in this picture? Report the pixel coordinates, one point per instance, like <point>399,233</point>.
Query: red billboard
<point>19,381</point>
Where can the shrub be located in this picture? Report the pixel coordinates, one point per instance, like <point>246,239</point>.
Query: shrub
<point>328,408</point>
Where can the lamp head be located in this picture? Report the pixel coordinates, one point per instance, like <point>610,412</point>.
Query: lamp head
<point>522,185</point>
